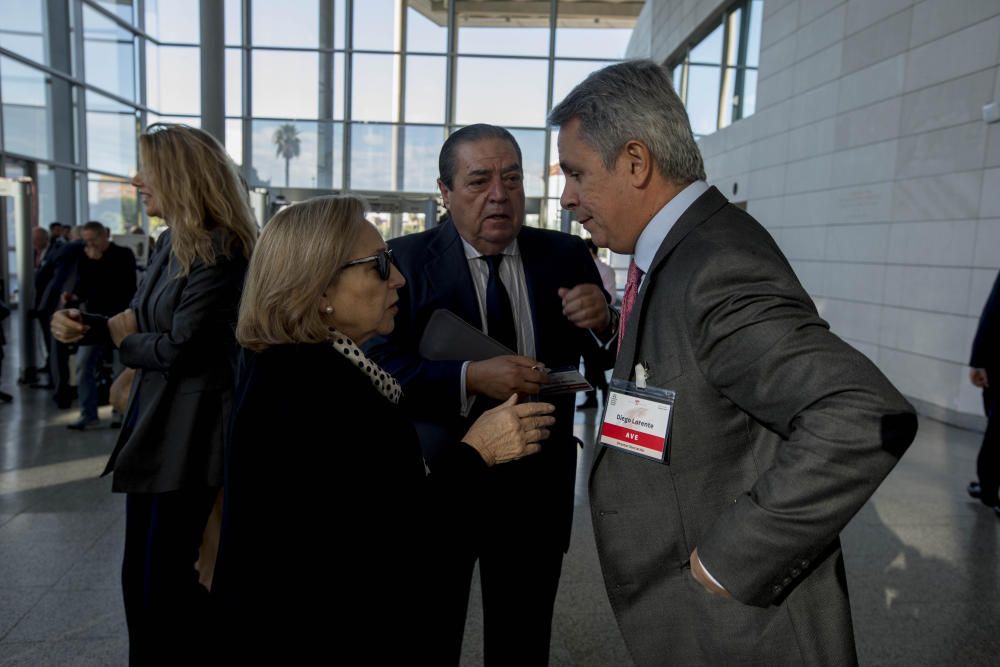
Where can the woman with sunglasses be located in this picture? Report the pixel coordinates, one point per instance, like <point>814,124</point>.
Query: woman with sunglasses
<point>327,505</point>
<point>178,335</point>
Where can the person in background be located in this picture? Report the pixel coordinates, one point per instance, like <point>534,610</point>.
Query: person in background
<point>4,314</point>
<point>39,244</point>
<point>53,282</point>
<point>985,374</point>
<point>321,283</point>
<point>178,335</point>
<point>105,285</point>
<point>593,361</point>
<point>56,241</point>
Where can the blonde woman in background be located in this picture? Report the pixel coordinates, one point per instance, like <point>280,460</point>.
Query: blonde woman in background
<point>178,335</point>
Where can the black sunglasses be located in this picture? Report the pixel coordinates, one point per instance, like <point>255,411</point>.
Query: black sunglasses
<point>383,261</point>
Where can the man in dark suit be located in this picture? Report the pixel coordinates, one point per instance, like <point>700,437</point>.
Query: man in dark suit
<point>986,370</point>
<point>538,292</point>
<point>725,552</point>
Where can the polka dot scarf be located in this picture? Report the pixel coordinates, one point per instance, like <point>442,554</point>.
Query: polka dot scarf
<point>385,383</point>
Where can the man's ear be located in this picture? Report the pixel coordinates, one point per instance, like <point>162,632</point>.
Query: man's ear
<point>445,193</point>
<point>639,162</point>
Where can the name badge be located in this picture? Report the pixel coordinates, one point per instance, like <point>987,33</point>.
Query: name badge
<point>637,420</point>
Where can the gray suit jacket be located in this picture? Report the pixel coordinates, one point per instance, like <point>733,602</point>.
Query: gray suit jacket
<point>184,354</point>
<point>780,433</point>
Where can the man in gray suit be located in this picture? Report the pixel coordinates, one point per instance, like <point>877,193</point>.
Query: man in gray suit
<point>724,550</point>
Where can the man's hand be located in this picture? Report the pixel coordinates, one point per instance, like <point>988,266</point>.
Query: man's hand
<point>67,326</point>
<point>121,325</point>
<point>978,377</point>
<point>586,307</point>
<point>500,377</point>
<point>701,576</point>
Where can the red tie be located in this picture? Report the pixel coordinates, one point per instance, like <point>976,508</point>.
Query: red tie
<point>628,299</point>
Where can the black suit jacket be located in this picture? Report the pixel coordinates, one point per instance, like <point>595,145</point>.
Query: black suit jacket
<point>985,350</point>
<point>780,433</point>
<point>437,274</point>
<point>327,506</point>
<point>184,354</point>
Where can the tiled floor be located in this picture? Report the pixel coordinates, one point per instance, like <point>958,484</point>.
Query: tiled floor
<point>923,560</point>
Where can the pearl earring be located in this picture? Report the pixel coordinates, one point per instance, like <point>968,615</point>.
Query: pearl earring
<point>329,309</point>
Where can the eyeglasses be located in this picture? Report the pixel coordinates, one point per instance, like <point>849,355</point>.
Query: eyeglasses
<point>383,261</point>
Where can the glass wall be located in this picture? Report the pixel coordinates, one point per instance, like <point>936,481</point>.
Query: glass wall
<point>319,94</point>
<point>716,74</point>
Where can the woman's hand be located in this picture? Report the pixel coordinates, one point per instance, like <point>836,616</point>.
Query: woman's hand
<point>121,325</point>
<point>67,326</point>
<point>510,431</point>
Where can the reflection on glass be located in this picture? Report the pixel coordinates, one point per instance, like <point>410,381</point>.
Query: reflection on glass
<point>703,98</point>
<point>709,50</point>
<point>425,89</point>
<point>377,25</point>
<point>113,203</point>
<point>234,22</point>
<point>282,23</point>
<point>727,107</point>
<point>552,214</point>
<point>109,51</point>
<point>421,147</point>
<point>173,79</point>
<point>26,114</point>
<point>532,143</point>
<point>568,73</point>
<point>22,28</point>
<point>285,84</point>
<point>753,39</point>
<point>749,92</point>
<point>234,139</point>
<point>501,91</point>
<point>234,82</point>
<point>111,135</point>
<point>733,21</point>
<point>423,34</point>
<point>505,41</point>
<point>376,80</point>
<point>170,20</point>
<point>373,151</point>
<point>319,148</point>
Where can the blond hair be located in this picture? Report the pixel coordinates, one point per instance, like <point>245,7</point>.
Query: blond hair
<point>298,257</point>
<point>199,189</point>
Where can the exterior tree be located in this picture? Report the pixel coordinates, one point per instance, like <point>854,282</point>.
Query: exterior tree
<point>287,144</point>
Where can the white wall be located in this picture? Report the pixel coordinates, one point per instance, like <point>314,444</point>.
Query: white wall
<point>869,161</point>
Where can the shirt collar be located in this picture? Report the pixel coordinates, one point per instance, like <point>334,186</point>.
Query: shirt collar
<point>657,229</point>
<point>472,253</point>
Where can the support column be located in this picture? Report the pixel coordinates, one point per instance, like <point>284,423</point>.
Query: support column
<point>213,69</point>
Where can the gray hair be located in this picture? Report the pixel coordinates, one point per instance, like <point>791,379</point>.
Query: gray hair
<point>634,100</point>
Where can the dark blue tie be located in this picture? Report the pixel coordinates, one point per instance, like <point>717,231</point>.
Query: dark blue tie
<point>499,314</point>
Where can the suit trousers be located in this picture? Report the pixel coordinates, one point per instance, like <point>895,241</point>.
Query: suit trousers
<point>167,610</point>
<point>988,461</point>
<point>519,573</point>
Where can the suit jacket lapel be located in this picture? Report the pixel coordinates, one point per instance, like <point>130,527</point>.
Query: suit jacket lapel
<point>534,272</point>
<point>152,284</point>
<point>448,277</point>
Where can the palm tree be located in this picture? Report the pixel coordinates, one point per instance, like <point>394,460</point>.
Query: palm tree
<point>287,143</point>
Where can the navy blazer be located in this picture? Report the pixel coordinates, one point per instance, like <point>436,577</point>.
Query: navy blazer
<point>437,276</point>
<point>184,354</point>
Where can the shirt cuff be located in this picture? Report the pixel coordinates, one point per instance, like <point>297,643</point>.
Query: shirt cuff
<point>467,400</point>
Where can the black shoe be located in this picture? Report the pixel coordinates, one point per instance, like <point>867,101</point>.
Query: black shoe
<point>5,397</point>
<point>974,490</point>
<point>83,423</point>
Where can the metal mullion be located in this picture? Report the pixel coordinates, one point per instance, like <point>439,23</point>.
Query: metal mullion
<point>401,103</point>
<point>722,69</point>
<point>451,69</point>
<point>246,103</point>
<point>345,169</point>
<point>83,209</point>
<point>143,114</point>
<point>741,60</point>
<point>553,19</point>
